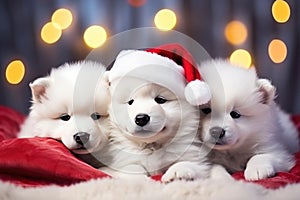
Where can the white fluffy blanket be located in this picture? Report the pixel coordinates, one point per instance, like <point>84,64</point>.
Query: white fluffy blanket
<point>140,188</point>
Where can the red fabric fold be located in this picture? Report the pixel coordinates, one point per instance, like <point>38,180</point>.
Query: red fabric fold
<point>42,161</point>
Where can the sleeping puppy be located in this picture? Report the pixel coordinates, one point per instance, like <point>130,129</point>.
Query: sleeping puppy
<point>71,105</point>
<point>242,124</point>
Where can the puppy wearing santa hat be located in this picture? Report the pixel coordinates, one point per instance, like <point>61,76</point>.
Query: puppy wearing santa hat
<point>154,113</point>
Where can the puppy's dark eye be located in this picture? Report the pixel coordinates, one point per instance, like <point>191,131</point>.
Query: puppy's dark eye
<point>235,115</point>
<point>206,110</point>
<point>130,102</point>
<point>65,117</point>
<point>160,100</point>
<point>95,116</point>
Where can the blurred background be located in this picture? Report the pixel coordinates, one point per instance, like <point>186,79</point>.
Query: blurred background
<point>36,35</point>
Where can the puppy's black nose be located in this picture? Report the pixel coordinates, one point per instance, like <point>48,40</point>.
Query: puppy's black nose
<point>217,132</point>
<point>81,138</point>
<point>142,119</point>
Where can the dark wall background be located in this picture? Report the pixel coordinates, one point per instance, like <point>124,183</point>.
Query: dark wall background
<point>203,20</point>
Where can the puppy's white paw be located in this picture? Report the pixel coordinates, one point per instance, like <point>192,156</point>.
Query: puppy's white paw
<point>178,173</point>
<point>259,171</point>
<point>184,171</point>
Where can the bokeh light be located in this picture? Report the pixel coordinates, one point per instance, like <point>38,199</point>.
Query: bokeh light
<point>15,72</point>
<point>281,11</point>
<point>94,36</point>
<point>51,33</point>
<point>277,51</point>
<point>165,19</point>
<point>137,3</point>
<point>241,57</point>
<point>236,32</point>
<point>62,17</point>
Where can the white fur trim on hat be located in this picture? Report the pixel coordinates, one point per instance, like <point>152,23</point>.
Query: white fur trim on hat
<point>197,92</point>
<point>128,60</point>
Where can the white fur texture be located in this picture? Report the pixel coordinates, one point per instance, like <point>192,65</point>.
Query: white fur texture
<point>136,189</point>
<point>169,137</point>
<point>261,141</point>
<point>79,90</point>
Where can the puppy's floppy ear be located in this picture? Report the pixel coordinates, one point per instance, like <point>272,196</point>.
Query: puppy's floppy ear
<point>267,90</point>
<point>38,89</point>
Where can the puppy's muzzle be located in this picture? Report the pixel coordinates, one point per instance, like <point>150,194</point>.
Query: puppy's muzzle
<point>217,132</point>
<point>81,138</point>
<point>142,119</point>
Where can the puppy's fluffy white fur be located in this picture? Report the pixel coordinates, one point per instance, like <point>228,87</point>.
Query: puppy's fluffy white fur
<point>167,143</point>
<point>69,101</point>
<point>243,125</point>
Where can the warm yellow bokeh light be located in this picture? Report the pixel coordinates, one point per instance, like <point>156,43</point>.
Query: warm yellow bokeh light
<point>165,19</point>
<point>241,57</point>
<point>236,32</point>
<point>15,72</point>
<point>281,11</point>
<point>94,36</point>
<point>277,51</point>
<point>62,17</point>
<point>51,33</point>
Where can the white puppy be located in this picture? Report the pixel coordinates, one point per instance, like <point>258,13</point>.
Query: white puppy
<point>71,105</point>
<point>152,130</point>
<point>243,125</point>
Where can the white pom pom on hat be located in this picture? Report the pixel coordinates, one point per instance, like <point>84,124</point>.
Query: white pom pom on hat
<point>172,66</point>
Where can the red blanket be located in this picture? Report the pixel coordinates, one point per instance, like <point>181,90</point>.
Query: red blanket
<point>44,161</point>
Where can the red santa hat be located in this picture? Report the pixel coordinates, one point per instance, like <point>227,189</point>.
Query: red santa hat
<point>169,65</point>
